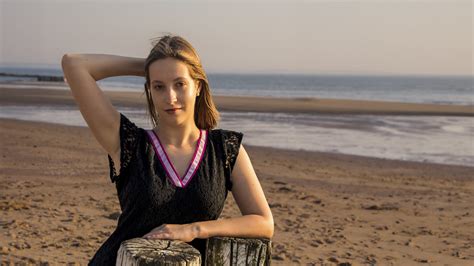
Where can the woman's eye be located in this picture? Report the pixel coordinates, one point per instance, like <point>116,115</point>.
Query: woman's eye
<point>180,84</point>
<point>158,87</point>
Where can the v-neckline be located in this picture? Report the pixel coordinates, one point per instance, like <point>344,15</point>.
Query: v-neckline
<point>165,161</point>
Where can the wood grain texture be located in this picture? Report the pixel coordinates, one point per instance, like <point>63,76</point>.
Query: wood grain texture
<point>141,252</point>
<point>237,251</point>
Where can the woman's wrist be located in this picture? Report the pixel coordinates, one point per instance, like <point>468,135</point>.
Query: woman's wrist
<point>115,65</point>
<point>199,230</point>
<point>137,66</point>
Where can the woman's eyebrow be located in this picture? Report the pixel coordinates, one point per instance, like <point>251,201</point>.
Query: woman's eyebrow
<point>176,79</point>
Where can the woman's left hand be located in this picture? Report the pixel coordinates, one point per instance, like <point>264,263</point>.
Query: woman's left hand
<point>183,232</point>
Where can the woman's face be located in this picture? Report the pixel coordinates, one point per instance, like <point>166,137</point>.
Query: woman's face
<point>173,91</point>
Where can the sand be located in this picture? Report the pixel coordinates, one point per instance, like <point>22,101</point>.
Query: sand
<point>57,204</point>
<point>34,96</point>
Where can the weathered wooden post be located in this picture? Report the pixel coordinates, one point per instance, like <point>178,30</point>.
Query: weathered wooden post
<point>141,251</point>
<point>219,251</point>
<point>237,251</point>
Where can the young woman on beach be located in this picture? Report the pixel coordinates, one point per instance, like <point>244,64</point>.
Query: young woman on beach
<point>172,180</point>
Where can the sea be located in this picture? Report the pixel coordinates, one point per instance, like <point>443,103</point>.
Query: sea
<point>438,139</point>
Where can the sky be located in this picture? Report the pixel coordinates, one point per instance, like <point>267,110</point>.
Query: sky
<point>381,37</point>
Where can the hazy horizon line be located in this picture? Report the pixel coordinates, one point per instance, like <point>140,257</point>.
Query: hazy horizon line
<point>264,72</point>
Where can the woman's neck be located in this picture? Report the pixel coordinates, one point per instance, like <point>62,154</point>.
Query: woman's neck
<point>179,136</point>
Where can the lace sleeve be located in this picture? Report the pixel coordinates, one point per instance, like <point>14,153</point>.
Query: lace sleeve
<point>129,134</point>
<point>231,141</point>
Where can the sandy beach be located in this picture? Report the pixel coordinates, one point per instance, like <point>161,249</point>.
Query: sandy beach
<point>34,96</point>
<point>58,206</point>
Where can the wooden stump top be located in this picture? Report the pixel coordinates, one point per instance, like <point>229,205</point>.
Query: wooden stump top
<point>141,251</point>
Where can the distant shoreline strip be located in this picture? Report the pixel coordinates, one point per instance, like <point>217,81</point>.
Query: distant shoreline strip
<point>41,96</point>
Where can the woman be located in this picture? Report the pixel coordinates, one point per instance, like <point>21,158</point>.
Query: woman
<point>172,180</point>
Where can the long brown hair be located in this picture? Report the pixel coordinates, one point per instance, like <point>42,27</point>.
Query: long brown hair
<point>206,115</point>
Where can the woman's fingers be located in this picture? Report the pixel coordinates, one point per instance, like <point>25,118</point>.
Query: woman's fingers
<point>158,228</point>
<point>157,234</point>
<point>152,234</point>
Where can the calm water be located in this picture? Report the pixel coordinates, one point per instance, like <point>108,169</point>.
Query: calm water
<point>447,140</point>
<point>446,90</point>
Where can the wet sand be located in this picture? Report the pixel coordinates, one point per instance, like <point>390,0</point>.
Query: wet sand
<point>57,204</point>
<point>35,96</point>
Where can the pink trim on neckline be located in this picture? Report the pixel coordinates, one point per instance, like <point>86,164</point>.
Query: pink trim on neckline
<point>170,170</point>
<point>159,153</point>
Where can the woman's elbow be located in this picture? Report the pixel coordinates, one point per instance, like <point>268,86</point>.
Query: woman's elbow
<point>269,228</point>
<point>271,231</point>
<point>65,60</point>
<point>68,60</point>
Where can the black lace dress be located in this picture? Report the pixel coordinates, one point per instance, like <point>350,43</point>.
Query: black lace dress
<point>148,194</point>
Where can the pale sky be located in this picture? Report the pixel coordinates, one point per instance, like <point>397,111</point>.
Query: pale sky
<point>311,37</point>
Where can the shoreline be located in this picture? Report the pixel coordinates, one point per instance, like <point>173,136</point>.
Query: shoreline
<point>38,96</point>
<point>271,149</point>
<point>56,198</point>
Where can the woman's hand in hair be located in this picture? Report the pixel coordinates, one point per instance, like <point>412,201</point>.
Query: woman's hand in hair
<point>183,232</point>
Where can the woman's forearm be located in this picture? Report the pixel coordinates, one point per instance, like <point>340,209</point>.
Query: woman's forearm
<point>102,66</point>
<point>251,226</point>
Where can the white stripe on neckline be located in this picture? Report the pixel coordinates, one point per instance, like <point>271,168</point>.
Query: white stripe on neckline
<point>168,165</point>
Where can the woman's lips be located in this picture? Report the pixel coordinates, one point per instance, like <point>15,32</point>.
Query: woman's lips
<point>172,110</point>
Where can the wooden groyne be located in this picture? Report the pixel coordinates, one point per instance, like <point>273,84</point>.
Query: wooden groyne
<point>37,77</point>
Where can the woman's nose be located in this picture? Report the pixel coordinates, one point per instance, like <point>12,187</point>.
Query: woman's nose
<point>170,95</point>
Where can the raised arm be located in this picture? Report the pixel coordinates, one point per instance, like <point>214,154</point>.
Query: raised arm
<point>81,72</point>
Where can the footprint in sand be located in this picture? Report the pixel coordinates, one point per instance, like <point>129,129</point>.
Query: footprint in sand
<point>304,215</point>
<point>381,207</point>
<point>285,189</point>
<point>275,205</point>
